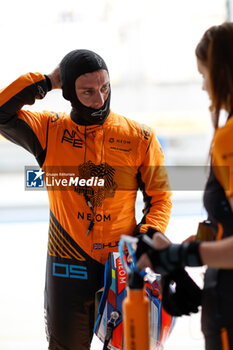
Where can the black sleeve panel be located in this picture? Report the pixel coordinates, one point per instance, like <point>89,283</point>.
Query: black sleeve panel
<point>20,133</point>
<point>146,199</point>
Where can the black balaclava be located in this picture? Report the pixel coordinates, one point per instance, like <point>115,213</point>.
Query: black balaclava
<point>74,64</point>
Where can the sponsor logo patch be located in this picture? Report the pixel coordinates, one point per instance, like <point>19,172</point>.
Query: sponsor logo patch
<point>71,137</point>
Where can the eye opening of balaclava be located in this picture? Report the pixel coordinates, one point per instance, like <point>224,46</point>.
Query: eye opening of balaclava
<point>72,66</point>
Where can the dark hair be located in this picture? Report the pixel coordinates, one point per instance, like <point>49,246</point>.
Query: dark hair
<point>215,50</point>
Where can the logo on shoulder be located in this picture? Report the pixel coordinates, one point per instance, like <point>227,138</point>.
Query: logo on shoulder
<point>34,178</point>
<point>54,117</point>
<point>145,131</point>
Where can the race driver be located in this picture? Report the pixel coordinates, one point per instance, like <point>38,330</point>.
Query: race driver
<point>92,143</point>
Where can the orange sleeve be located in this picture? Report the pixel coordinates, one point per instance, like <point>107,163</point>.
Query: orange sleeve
<point>25,128</point>
<point>222,157</point>
<point>23,82</point>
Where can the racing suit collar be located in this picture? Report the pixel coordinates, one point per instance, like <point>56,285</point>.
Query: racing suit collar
<point>94,127</point>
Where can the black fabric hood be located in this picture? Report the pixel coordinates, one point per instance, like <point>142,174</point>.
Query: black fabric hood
<point>72,66</point>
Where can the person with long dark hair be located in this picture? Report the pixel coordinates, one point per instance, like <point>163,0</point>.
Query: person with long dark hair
<point>214,55</point>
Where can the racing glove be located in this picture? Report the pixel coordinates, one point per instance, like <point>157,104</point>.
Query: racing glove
<point>183,298</point>
<point>175,256</point>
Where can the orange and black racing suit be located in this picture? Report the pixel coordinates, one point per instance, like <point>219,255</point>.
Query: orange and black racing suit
<point>217,303</point>
<point>126,156</point>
